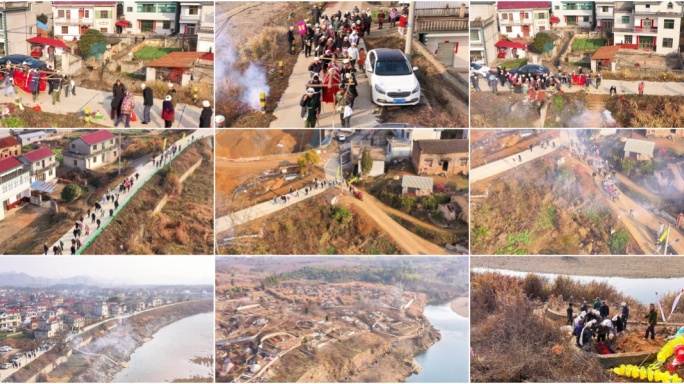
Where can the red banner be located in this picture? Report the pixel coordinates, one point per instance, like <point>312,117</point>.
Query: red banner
<point>24,82</point>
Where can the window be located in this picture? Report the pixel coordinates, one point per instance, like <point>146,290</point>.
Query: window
<point>146,26</point>
<point>146,8</point>
<point>50,172</point>
<point>30,30</point>
<point>556,7</point>
<point>527,15</point>
<point>104,15</point>
<point>628,39</point>
<point>604,9</point>
<point>30,6</point>
<point>111,141</point>
<point>625,20</point>
<point>542,28</point>
<point>428,163</point>
<point>667,42</point>
<point>541,16</point>
<point>504,16</point>
<point>509,29</point>
<point>193,10</point>
<point>86,14</point>
<point>114,153</point>
<point>94,159</point>
<point>95,147</point>
<point>129,9</point>
<point>166,25</point>
<point>68,14</point>
<point>104,30</point>
<point>648,6</point>
<point>103,158</point>
<point>65,30</point>
<point>73,146</point>
<point>669,5</point>
<point>474,35</point>
<point>585,19</point>
<point>60,14</point>
<point>464,162</point>
<point>669,24</point>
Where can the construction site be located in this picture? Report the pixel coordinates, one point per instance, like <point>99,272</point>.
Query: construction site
<point>291,320</point>
<point>600,192</point>
<point>584,328</point>
<point>357,192</point>
<point>264,78</point>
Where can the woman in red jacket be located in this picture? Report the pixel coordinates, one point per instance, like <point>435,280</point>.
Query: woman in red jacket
<point>167,112</point>
<point>402,24</point>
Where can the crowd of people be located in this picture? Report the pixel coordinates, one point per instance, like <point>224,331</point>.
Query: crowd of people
<point>331,39</point>
<point>316,184</point>
<point>522,83</point>
<point>595,324</point>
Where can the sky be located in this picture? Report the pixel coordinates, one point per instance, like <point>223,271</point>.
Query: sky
<point>119,269</point>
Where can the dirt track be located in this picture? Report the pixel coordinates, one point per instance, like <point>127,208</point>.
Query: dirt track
<point>609,266</point>
<point>410,243</point>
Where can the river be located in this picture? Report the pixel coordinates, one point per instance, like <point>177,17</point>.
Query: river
<point>447,360</point>
<point>167,356</point>
<point>641,289</point>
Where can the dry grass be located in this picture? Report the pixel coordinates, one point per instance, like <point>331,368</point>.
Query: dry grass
<point>509,344</point>
<point>647,111</point>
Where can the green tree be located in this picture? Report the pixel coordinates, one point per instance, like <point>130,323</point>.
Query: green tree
<point>232,281</point>
<point>42,18</point>
<point>430,202</point>
<point>341,215</point>
<point>646,167</point>
<point>71,192</point>
<point>628,166</point>
<point>308,159</point>
<point>88,40</point>
<point>407,203</point>
<point>366,161</point>
<point>540,41</point>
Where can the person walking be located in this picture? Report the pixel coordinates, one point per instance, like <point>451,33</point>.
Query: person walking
<point>118,94</point>
<point>99,222</point>
<point>641,88</point>
<point>342,100</point>
<point>35,84</point>
<point>475,81</point>
<point>148,102</point>
<point>205,116</point>
<point>126,110</point>
<point>652,317</point>
<point>168,112</point>
<point>625,315</point>
<point>290,40</point>
<point>45,249</point>
<point>310,108</point>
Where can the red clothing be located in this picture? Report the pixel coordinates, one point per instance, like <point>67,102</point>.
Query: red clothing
<point>362,58</point>
<point>167,111</point>
<point>329,93</point>
<point>402,21</point>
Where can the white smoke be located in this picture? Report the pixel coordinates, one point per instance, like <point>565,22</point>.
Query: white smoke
<point>251,82</point>
<point>593,119</point>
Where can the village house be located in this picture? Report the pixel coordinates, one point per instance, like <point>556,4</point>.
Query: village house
<point>43,163</point>
<point>151,17</point>
<point>73,18</point>
<point>92,150</point>
<point>483,32</point>
<point>573,13</point>
<point>605,10</point>
<point>9,146</point>
<point>10,319</point>
<point>416,185</point>
<point>447,157</point>
<point>523,18</point>
<point>31,138</point>
<point>457,208</point>
<point>15,183</point>
<point>650,25</point>
<point>672,134</point>
<point>377,154</point>
<point>639,150</point>
<point>48,327</point>
<point>100,309</point>
<point>75,322</point>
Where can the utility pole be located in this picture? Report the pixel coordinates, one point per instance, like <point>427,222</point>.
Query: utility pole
<point>119,153</point>
<point>409,29</point>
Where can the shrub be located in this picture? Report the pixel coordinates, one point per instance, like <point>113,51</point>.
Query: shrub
<point>71,192</point>
<point>341,215</point>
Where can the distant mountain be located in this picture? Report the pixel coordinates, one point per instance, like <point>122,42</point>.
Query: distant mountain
<point>21,279</point>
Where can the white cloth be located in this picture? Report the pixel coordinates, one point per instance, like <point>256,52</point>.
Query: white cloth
<point>347,111</point>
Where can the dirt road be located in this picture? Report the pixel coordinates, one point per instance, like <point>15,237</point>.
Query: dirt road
<point>410,243</point>
<point>632,267</point>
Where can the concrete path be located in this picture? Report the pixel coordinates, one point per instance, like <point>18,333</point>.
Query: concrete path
<point>6,373</point>
<point>146,172</point>
<point>288,111</point>
<point>508,163</point>
<point>225,223</point>
<point>187,116</point>
<point>623,88</point>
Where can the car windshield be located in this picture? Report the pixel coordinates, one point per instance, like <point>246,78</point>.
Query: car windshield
<point>392,68</point>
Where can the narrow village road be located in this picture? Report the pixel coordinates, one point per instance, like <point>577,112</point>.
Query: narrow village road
<point>500,166</point>
<point>623,88</point>
<point>145,173</point>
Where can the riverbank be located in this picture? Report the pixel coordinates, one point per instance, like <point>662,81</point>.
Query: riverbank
<point>601,266</point>
<point>461,305</point>
<point>109,352</point>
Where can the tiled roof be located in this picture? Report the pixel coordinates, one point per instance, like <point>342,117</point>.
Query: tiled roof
<point>640,146</point>
<point>441,147</point>
<point>8,164</point>
<point>8,141</point>
<point>97,137</point>
<point>38,154</point>
<point>523,4</point>
<point>418,182</point>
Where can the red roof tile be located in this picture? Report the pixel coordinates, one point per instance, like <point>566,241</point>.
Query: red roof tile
<point>523,4</point>
<point>176,60</point>
<point>38,154</point>
<point>8,164</point>
<point>8,141</point>
<point>47,41</point>
<point>97,137</point>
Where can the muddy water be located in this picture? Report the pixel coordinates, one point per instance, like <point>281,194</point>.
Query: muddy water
<point>167,356</point>
<point>641,289</point>
<point>447,360</point>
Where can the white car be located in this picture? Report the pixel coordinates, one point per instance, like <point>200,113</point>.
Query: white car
<point>5,366</point>
<point>480,69</point>
<point>5,348</point>
<point>391,78</point>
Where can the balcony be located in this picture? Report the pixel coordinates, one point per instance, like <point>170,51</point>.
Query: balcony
<point>189,19</point>
<point>14,174</point>
<point>650,31</point>
<point>441,24</point>
<point>74,21</point>
<point>44,169</point>
<point>648,13</point>
<point>480,23</point>
<point>10,5</point>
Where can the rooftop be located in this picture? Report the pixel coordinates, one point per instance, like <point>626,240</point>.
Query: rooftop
<point>8,141</point>
<point>9,163</point>
<point>418,182</point>
<point>441,147</point>
<point>38,154</point>
<point>32,134</point>
<point>523,5</point>
<point>607,52</point>
<point>640,146</point>
<point>176,60</point>
<point>97,137</point>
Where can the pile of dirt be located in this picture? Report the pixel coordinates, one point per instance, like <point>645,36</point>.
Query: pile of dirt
<point>634,342</point>
<point>29,117</point>
<point>248,143</point>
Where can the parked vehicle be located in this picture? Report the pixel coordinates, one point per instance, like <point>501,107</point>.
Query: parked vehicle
<point>391,78</point>
<point>5,348</point>
<point>530,69</point>
<point>5,366</point>
<point>480,69</point>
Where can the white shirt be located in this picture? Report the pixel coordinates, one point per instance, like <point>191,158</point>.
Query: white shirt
<point>353,53</point>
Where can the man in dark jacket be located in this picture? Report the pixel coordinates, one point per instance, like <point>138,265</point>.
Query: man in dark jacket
<point>205,116</point>
<point>118,93</point>
<point>315,15</point>
<point>569,313</point>
<point>625,315</point>
<point>604,310</point>
<point>148,101</point>
<point>290,40</point>
<point>652,317</point>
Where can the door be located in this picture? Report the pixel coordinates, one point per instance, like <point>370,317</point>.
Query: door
<point>526,30</point>
<point>147,26</point>
<point>445,53</point>
<point>647,24</point>
<point>646,43</point>
<point>571,20</point>
<point>445,166</point>
<point>607,25</point>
